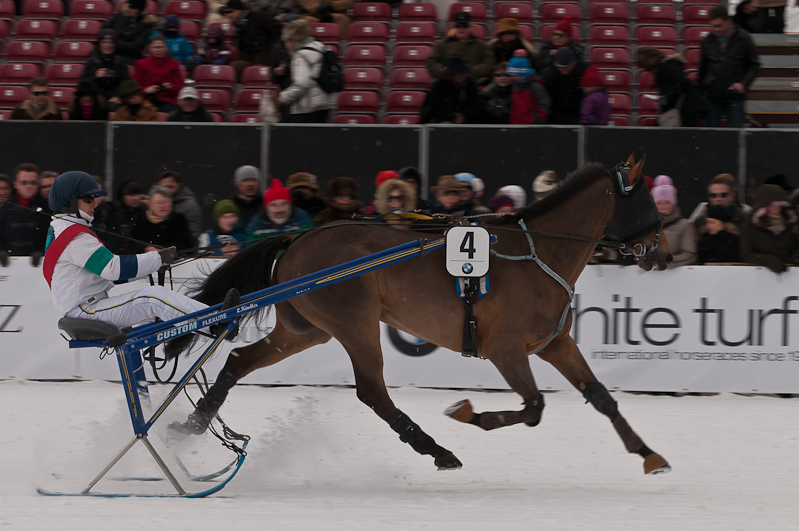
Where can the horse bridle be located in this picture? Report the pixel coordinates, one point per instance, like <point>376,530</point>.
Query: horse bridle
<point>627,212</point>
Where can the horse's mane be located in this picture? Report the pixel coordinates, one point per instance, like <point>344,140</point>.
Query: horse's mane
<point>574,182</point>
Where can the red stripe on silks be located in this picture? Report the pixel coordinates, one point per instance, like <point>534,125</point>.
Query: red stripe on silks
<point>53,252</point>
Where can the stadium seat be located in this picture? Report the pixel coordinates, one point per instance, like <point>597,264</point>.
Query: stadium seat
<point>608,14</point>
<point>711,2</point>
<point>693,56</point>
<point>646,81</point>
<point>191,29</point>
<point>326,32</point>
<point>609,36</point>
<point>478,12</point>
<point>405,101</point>
<point>410,54</point>
<point>335,48</point>
<point>62,96</point>
<point>416,32</point>
<point>217,117</point>
<point>658,36</point>
<point>546,32</point>
<point>363,78</point>
<point>696,14</point>
<point>401,119</point>
<point>12,96</point>
<point>368,32</point>
<point>248,99</point>
<point>522,12</point>
<point>664,15</point>
<point>615,80</point>
<point>365,55</point>
<point>620,104</point>
<point>72,51</point>
<point>609,57</point>
<point>409,79</point>
<point>358,101</point>
<point>229,30</point>
<point>528,32</point>
<point>620,121</point>
<point>8,9</point>
<point>647,105</point>
<point>693,35</point>
<point>90,9</point>
<point>216,76</point>
<point>19,73</point>
<point>27,52</point>
<point>245,118</point>
<point>6,27</point>
<point>63,74</point>
<point>478,30</point>
<point>256,76</point>
<point>5,114</point>
<point>646,121</point>
<point>215,99</point>
<point>37,30</point>
<point>552,13</point>
<point>371,12</point>
<point>354,118</point>
<point>163,116</point>
<point>186,9</point>
<point>43,9</point>
<point>421,12</point>
<point>80,30</point>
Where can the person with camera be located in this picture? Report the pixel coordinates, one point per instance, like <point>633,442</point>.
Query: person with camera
<point>160,76</point>
<point>105,68</point>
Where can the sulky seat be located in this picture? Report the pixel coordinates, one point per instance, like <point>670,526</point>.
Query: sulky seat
<point>86,329</point>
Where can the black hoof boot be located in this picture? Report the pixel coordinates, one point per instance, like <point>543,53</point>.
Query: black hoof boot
<point>448,461</point>
<point>232,299</point>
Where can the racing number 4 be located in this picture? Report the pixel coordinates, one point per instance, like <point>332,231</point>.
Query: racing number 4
<point>467,245</point>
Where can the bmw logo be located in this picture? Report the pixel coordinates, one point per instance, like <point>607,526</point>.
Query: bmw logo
<point>467,268</point>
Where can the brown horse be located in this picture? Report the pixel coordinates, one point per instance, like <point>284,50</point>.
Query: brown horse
<point>518,317</point>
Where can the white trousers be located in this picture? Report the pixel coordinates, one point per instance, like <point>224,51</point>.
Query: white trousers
<point>137,307</point>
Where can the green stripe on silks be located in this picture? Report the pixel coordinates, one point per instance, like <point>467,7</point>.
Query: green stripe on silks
<point>98,260</point>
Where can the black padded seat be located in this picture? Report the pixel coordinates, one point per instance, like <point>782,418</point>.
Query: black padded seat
<point>86,329</point>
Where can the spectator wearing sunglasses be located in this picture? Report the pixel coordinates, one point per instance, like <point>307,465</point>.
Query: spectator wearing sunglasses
<point>24,217</point>
<point>561,38</point>
<point>722,190</point>
<point>39,106</point>
<point>342,201</point>
<point>447,194</point>
<point>395,194</point>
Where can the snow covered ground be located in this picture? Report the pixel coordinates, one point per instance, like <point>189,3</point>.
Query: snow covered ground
<point>319,459</point>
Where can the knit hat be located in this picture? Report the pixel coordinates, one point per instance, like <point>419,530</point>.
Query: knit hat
<point>466,178</point>
<point>478,187</point>
<point>456,65</point>
<point>86,88</point>
<point>410,173</point>
<point>215,31</point>
<point>446,183</point>
<point>516,193</point>
<point>719,212</point>
<point>302,180</point>
<point>188,92</point>
<point>232,5</point>
<point>508,25</point>
<point>499,201</point>
<point>342,186</point>
<point>650,182</point>
<point>276,191</point>
<point>462,19</point>
<point>565,26</point>
<point>172,21</point>
<point>519,66</point>
<point>563,58</point>
<point>128,87</point>
<point>591,77</point>
<point>664,190</point>
<point>106,34</point>
<point>225,206</point>
<point>383,176</point>
<point>243,173</point>
<point>781,181</point>
<point>545,183</point>
<point>137,4</point>
<point>69,186</point>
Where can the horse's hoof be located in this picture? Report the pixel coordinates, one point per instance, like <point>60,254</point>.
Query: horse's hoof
<point>655,464</point>
<point>448,461</point>
<point>461,411</point>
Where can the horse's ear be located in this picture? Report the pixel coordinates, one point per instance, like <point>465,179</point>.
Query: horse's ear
<point>631,159</point>
<point>637,171</point>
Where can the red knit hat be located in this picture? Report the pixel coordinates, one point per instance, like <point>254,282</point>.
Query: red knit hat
<point>383,176</point>
<point>591,77</point>
<point>276,191</point>
<point>565,26</point>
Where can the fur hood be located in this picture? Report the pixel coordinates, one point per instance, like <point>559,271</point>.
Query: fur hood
<point>341,186</point>
<point>381,196</point>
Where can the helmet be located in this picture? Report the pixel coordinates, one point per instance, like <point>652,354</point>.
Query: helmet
<point>69,186</point>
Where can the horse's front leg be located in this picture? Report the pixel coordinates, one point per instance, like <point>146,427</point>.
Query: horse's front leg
<point>566,357</point>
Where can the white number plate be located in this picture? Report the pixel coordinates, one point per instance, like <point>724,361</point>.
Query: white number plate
<point>467,251</point>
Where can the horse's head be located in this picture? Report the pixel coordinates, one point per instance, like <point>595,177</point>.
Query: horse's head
<point>635,222</point>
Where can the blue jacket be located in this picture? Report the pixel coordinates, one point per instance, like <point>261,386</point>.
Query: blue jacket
<point>180,48</point>
<point>211,238</point>
<point>261,227</point>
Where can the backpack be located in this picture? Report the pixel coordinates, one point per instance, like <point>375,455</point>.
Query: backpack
<point>331,78</point>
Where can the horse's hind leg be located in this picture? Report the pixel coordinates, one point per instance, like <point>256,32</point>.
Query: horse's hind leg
<point>566,357</point>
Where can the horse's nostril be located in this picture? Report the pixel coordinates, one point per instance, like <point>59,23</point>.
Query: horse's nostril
<point>669,258</point>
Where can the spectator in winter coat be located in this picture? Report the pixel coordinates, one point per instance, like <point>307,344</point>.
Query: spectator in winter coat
<point>247,196</point>
<point>766,237</point>
<point>395,194</point>
<point>105,68</point>
<point>330,11</point>
<point>23,231</point>
<point>508,40</point>
<point>159,225</point>
<point>106,217</point>
<point>278,216</point>
<point>132,26</point>
<point>256,34</point>
<point>746,16</point>
<point>305,192</point>
<point>516,193</point>
<point>501,204</point>
<point>454,98</point>
<point>190,108</point>
<point>563,84</point>
<point>530,101</point>
<point>595,107</point>
<point>680,233</point>
<point>6,185</point>
<point>412,176</point>
<point>447,193</point>
<point>471,49</point>
<point>134,108</point>
<point>719,238</point>
<point>128,203</point>
<point>544,184</point>
<point>160,76</point>
<point>88,104</point>
<point>722,190</point>
<point>179,48</point>
<point>497,96</point>
<point>466,196</point>
<point>184,201</point>
<point>39,106</point>
<point>227,230</point>
<point>561,38</point>
<point>214,51</point>
<point>342,201</point>
<point>674,86</point>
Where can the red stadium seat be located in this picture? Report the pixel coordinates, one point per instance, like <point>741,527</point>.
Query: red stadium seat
<point>27,52</point>
<point>405,101</point>
<point>37,30</point>
<point>374,32</point>
<point>411,54</point>
<point>546,32</point>
<point>62,96</point>
<point>416,32</point>
<point>712,2</point>
<point>693,56</point>
<point>5,114</point>
<point>90,9</point>
<point>248,99</point>
<point>335,48</point>
<point>694,35</point>
<point>229,30</point>
<point>326,32</point>
<point>43,9</point>
<point>246,118</point>
<point>63,74</point>
<point>552,13</point>
<point>191,29</point>
<point>72,51</point>
<point>522,12</point>
<point>646,82</point>
<point>696,14</point>
<point>608,14</point>
<point>421,12</point>
<point>354,118</point>
<point>80,30</point>
<point>11,96</point>
<point>186,9</point>
<point>609,36</point>
<point>256,76</point>
<point>363,78</point>
<point>410,79</point>
<point>477,30</point>
<point>365,55</point>
<point>401,119</point>
<point>620,104</point>
<point>215,76</point>
<point>215,99</point>
<point>358,101</point>
<point>478,12</point>
<point>658,36</point>
<point>615,80</point>
<point>371,12</point>
<point>6,27</point>
<point>528,32</point>
<point>8,9</point>
<point>620,121</point>
<point>646,121</point>
<point>19,73</point>
<point>647,105</point>
<point>665,15</point>
<point>610,57</point>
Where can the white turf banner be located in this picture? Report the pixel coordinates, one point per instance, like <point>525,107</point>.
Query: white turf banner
<point>704,329</point>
